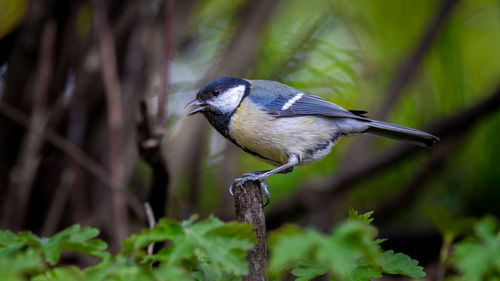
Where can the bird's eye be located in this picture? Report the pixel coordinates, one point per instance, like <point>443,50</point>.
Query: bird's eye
<point>215,92</point>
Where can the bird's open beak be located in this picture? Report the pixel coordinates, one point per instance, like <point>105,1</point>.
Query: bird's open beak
<point>196,102</point>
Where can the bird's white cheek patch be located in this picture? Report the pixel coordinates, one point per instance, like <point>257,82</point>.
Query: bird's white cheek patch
<point>230,99</point>
<point>291,101</point>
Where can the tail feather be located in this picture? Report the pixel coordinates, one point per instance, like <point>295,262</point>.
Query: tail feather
<point>398,132</point>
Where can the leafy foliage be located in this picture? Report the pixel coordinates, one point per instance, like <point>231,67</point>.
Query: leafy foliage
<point>349,252</point>
<point>26,253</point>
<point>364,218</point>
<point>478,257</point>
<point>212,249</point>
<point>450,228</point>
<point>205,250</point>
<point>400,264</point>
<point>443,221</point>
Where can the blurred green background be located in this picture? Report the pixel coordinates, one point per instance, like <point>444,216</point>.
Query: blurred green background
<point>431,65</point>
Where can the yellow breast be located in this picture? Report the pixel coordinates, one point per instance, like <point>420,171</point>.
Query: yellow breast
<point>276,138</point>
<point>246,128</point>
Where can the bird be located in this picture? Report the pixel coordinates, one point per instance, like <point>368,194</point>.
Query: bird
<point>284,126</point>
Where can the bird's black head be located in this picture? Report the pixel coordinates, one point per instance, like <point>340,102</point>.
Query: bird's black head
<point>221,96</point>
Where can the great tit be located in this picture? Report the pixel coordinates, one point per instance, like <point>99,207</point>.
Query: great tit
<point>284,126</point>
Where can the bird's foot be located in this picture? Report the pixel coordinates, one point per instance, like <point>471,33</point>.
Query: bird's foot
<point>253,176</point>
<point>265,192</point>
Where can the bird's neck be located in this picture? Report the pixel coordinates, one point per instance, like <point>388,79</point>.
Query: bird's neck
<point>220,122</point>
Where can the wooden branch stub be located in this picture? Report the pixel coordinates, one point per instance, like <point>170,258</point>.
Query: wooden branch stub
<point>248,205</point>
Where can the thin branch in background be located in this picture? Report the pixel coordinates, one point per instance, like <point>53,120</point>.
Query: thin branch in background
<point>245,40</point>
<point>77,123</point>
<point>148,142</point>
<point>408,67</point>
<point>151,222</point>
<point>44,71</point>
<point>60,199</point>
<point>165,69</point>
<point>403,76</point>
<point>52,137</point>
<point>73,151</point>
<point>301,49</point>
<point>135,62</point>
<point>150,150</point>
<point>23,173</point>
<point>115,119</point>
<point>151,132</point>
<point>392,206</point>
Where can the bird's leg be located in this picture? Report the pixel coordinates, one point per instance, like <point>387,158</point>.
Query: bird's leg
<point>292,161</point>
<point>261,176</point>
<point>265,171</point>
<point>286,171</point>
<point>256,173</point>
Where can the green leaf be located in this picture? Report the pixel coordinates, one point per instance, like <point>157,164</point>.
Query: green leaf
<point>486,228</point>
<point>69,273</point>
<point>224,253</point>
<point>364,218</point>
<point>15,265</point>
<point>308,271</point>
<point>471,259</point>
<point>479,259</point>
<point>164,230</point>
<point>181,249</point>
<point>350,252</point>
<point>75,239</point>
<point>172,273</point>
<point>7,238</point>
<point>275,236</point>
<point>13,245</point>
<point>401,264</point>
<point>237,230</point>
<point>358,239</point>
<point>340,252</point>
<point>121,269</point>
<point>443,221</point>
<point>11,14</point>
<point>294,247</point>
<point>84,21</point>
<point>362,273</point>
<point>214,248</point>
<point>29,239</point>
<point>203,226</point>
<point>350,242</point>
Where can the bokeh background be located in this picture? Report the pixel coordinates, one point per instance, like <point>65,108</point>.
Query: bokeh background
<point>92,118</point>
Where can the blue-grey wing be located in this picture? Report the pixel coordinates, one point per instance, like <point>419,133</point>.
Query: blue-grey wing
<point>280,100</point>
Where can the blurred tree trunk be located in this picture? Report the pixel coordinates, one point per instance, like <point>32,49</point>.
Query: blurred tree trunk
<point>54,114</point>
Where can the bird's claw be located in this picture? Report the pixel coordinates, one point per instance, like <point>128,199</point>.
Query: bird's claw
<point>265,191</point>
<point>231,189</point>
<point>252,177</point>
